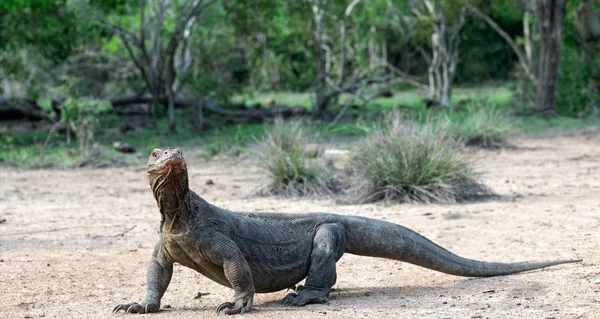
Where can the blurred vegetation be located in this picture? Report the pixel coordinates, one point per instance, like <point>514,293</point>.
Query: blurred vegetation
<point>70,57</point>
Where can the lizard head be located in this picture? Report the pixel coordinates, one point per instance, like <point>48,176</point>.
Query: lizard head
<point>166,166</point>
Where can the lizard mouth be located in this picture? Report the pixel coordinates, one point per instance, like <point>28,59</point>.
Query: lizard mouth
<point>167,165</point>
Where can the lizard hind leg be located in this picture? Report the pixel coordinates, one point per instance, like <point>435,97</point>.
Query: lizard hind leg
<point>328,247</point>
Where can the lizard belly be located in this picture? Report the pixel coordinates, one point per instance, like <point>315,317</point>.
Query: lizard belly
<point>197,262</point>
<point>277,267</point>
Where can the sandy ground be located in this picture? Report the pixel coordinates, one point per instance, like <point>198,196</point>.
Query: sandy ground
<point>68,249</point>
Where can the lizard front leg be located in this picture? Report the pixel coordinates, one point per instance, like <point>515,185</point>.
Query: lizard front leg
<point>158,277</point>
<point>224,252</point>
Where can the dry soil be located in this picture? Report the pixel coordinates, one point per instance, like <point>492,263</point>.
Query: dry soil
<point>76,242</point>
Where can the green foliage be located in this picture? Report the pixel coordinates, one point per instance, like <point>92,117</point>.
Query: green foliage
<point>48,25</point>
<point>576,94</point>
<point>83,115</point>
<point>291,171</point>
<point>478,124</point>
<point>23,150</point>
<point>408,162</point>
<point>276,41</point>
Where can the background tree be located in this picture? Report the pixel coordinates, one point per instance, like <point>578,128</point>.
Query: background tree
<point>550,14</point>
<point>343,52</point>
<point>153,45</point>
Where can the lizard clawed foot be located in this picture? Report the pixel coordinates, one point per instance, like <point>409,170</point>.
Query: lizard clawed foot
<point>135,307</point>
<point>241,305</point>
<point>305,296</point>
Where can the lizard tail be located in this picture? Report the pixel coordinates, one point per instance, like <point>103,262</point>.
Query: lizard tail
<point>369,237</point>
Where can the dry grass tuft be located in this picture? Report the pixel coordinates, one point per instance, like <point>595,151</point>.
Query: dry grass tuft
<point>408,162</point>
<point>292,170</point>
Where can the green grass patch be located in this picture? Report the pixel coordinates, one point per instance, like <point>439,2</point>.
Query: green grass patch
<point>479,124</point>
<point>531,125</point>
<point>264,98</point>
<point>19,148</point>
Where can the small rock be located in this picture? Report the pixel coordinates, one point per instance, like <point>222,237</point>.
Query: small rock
<point>123,147</point>
<point>385,93</point>
<point>270,101</point>
<point>126,128</point>
<point>2,220</point>
<point>1,260</point>
<point>312,151</point>
<point>167,306</point>
<point>200,294</point>
<point>28,260</point>
<point>210,182</point>
<point>28,316</point>
<point>42,314</point>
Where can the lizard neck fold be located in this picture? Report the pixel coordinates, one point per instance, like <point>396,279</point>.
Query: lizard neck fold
<point>171,193</point>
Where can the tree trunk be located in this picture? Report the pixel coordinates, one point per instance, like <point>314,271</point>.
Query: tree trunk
<point>171,110</point>
<point>170,93</point>
<point>550,15</point>
<point>445,43</point>
<point>320,85</point>
<point>198,115</point>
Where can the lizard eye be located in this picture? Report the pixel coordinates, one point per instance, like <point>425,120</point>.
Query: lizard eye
<point>155,153</point>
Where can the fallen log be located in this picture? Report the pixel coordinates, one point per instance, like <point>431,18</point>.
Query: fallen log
<point>13,108</point>
<point>21,108</point>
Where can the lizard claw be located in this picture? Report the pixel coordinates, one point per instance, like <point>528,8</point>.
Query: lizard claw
<point>225,305</point>
<point>118,307</point>
<point>240,305</point>
<point>135,307</point>
<point>304,297</point>
<point>287,300</point>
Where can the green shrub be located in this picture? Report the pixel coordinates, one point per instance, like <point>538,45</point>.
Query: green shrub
<point>291,171</point>
<point>577,90</point>
<point>83,115</point>
<point>480,125</point>
<point>408,162</point>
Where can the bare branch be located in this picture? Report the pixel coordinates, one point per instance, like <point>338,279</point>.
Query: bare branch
<point>355,86</point>
<point>520,55</point>
<point>406,78</point>
<point>346,107</point>
<point>350,7</point>
<point>182,23</point>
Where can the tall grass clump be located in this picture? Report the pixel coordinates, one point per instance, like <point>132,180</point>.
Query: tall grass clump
<point>407,162</point>
<point>482,126</point>
<point>291,169</point>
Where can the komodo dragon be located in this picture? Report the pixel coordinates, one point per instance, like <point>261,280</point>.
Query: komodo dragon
<point>264,252</point>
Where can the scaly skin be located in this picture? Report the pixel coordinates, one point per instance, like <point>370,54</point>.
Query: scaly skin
<point>259,253</point>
